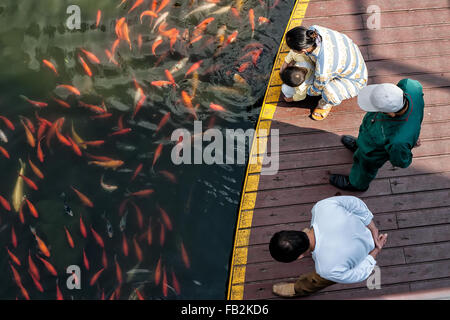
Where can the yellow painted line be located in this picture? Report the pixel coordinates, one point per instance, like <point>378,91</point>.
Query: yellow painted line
<point>254,166</point>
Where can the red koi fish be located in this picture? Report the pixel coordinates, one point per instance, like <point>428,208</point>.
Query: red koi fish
<point>8,123</point>
<point>158,152</point>
<point>124,245</point>
<point>156,43</point>
<point>40,154</point>
<point>4,152</point>
<point>235,12</point>
<point>104,260</point>
<point>51,66</point>
<point>139,294</point>
<point>163,4</point>
<point>48,266</point>
<point>149,234</point>
<point>91,57</point>
<point>158,272</point>
<point>244,66</point>
<point>170,176</point>
<point>142,193</point>
<point>5,204</point>
<point>37,104</point>
<point>85,66</point>
<point>84,199</point>
<point>85,260</point>
<point>75,147</point>
<point>193,68</point>
<point>36,170</point>
<point>59,295</point>
<point>70,88</point>
<point>29,182</point>
<point>231,38</point>
<point>185,256</point>
<point>41,244</point>
<point>175,284</point>
<point>95,143</point>
<point>13,257</point>
<point>163,121</point>
<point>13,237</point>
<point>97,238</point>
<point>148,13</point>
<point>164,282</point>
<point>120,132</point>
<point>61,103</point>
<point>118,272</point>
<point>93,108</point>
<point>96,276</point>
<point>161,83</point>
<point>36,282</point>
<point>69,238</point>
<point>165,218</point>
<point>169,77</point>
<point>263,20</point>
<point>137,249</point>
<point>137,171</point>
<point>32,209</point>
<point>140,103</point>
<point>136,4</point>
<point>251,18</point>
<point>32,267</point>
<point>162,235</point>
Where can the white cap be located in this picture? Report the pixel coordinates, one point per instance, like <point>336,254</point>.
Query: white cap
<point>385,97</point>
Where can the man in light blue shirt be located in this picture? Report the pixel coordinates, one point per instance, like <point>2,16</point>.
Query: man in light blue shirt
<point>343,241</point>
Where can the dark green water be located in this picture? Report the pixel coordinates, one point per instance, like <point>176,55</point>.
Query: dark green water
<point>203,202</point>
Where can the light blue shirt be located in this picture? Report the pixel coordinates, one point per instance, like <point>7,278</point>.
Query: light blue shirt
<point>343,241</point>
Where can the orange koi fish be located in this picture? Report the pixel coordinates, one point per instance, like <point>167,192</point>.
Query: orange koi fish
<point>120,132</point>
<point>149,233</point>
<point>124,245</point>
<point>32,208</point>
<point>158,272</point>
<point>41,244</point>
<point>140,103</point>
<point>83,228</point>
<point>32,267</point>
<point>75,147</point>
<point>91,57</point>
<point>13,257</point>
<point>24,292</point>
<point>118,272</point>
<point>163,4</point>
<point>244,66</point>
<point>36,282</point>
<point>163,121</point>
<point>95,143</point>
<point>136,4</point>
<point>251,18</point>
<point>126,34</point>
<point>4,152</point>
<point>235,12</point>
<point>175,284</point>
<point>51,66</point>
<point>104,259</point>
<point>70,88</point>
<point>216,107</point>
<point>30,138</point>
<point>118,28</point>
<point>16,275</point>
<point>187,101</point>
<point>29,182</point>
<point>165,218</point>
<point>96,109</point>
<point>40,154</point>
<point>8,123</point>
<point>140,41</point>
<point>185,256</point>
<point>139,294</point>
<point>231,38</point>
<point>200,28</point>
<point>85,260</point>
<point>162,235</point>
<point>137,249</point>
<point>156,43</point>
<point>48,266</point>
<point>99,17</point>
<point>61,103</point>
<point>194,67</point>
<point>263,20</point>
<point>148,13</point>
<point>59,295</point>
<point>85,200</point>
<point>5,204</point>
<point>110,57</point>
<point>63,139</point>
<point>161,83</point>
<point>157,153</point>
<point>36,170</point>
<point>37,104</point>
<point>113,164</point>
<point>142,193</point>
<point>69,238</point>
<point>85,66</point>
<point>96,276</point>
<point>97,238</point>
<point>139,215</point>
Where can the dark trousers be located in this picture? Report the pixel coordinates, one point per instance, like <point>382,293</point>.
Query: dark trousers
<point>309,283</point>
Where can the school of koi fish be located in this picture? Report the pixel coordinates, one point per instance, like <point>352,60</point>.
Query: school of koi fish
<point>144,226</point>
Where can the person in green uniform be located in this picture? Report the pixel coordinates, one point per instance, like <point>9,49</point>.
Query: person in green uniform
<point>389,131</point>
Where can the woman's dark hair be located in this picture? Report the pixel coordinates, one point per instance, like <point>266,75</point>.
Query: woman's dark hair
<point>300,38</point>
<point>293,76</point>
<point>287,246</point>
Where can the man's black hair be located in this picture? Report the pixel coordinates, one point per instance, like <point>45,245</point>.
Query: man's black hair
<point>288,245</point>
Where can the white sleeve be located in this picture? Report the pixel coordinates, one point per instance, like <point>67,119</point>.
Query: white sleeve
<point>359,273</point>
<point>355,206</point>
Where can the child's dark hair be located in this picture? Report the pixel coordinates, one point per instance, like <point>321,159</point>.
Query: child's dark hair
<point>300,38</point>
<point>287,246</point>
<point>293,76</point>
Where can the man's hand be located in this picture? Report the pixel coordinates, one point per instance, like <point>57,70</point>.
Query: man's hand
<point>373,229</point>
<point>287,99</point>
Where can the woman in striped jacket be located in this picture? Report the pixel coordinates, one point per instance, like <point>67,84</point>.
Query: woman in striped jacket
<point>340,68</point>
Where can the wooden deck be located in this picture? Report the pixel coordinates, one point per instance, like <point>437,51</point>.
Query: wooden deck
<point>412,205</point>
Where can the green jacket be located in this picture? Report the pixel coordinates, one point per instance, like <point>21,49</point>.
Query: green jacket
<point>393,138</point>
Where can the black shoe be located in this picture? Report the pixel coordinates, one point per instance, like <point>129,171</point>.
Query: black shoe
<point>349,142</point>
<point>343,182</point>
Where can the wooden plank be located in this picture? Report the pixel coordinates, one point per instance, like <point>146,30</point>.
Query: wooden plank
<point>425,253</point>
<point>419,183</point>
<point>285,197</point>
<point>405,50</point>
<point>430,284</point>
<point>339,7</point>
<point>347,22</point>
<point>423,217</point>
<point>410,66</point>
<point>420,235</point>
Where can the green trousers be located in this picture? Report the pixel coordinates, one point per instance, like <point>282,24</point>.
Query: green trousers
<point>365,167</point>
<point>310,283</point>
